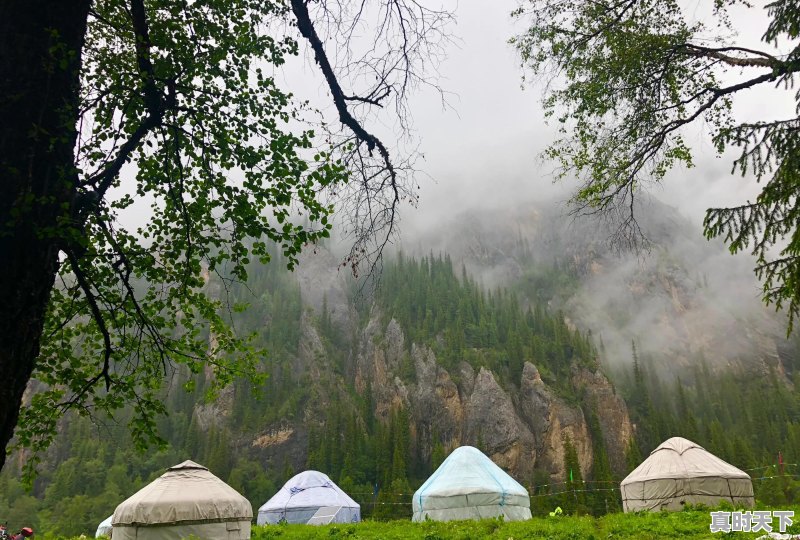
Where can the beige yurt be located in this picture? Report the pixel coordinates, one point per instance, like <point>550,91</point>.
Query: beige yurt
<point>681,472</point>
<point>187,500</point>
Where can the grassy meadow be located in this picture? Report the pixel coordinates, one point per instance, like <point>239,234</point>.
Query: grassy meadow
<point>692,523</point>
<point>689,524</point>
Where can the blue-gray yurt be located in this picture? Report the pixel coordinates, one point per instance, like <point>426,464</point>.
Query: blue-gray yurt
<point>309,498</point>
<point>469,485</point>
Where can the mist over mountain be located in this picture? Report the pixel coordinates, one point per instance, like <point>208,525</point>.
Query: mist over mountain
<point>681,298</point>
<point>517,330</point>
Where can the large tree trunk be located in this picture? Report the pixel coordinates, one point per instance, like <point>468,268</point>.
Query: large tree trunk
<point>40,50</point>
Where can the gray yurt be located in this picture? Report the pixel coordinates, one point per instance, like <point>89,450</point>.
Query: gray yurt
<point>104,529</point>
<point>469,485</point>
<point>681,472</point>
<point>310,498</point>
<point>187,500</point>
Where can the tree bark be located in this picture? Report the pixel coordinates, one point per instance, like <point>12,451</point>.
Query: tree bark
<point>40,49</point>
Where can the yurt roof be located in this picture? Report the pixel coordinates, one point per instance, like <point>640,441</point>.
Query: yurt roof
<point>467,470</point>
<point>105,526</point>
<point>309,489</point>
<point>186,492</point>
<point>681,458</point>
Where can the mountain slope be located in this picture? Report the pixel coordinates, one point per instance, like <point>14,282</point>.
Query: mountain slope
<point>507,344</point>
<point>683,299</point>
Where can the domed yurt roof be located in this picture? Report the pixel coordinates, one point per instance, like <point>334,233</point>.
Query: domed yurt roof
<point>104,529</point>
<point>469,485</point>
<point>186,500</point>
<point>681,472</point>
<point>303,495</point>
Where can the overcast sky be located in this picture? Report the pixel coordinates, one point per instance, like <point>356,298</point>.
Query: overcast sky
<point>484,150</point>
<point>489,151</point>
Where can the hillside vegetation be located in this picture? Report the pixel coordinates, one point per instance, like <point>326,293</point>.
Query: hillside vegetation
<point>380,458</point>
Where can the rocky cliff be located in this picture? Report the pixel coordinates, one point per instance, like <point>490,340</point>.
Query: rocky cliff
<point>680,297</point>
<point>679,301</point>
<point>522,426</point>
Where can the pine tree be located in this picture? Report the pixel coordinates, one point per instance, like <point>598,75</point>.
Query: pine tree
<point>437,455</point>
<point>575,496</point>
<point>600,499</point>
<point>633,457</point>
<point>287,471</point>
<point>688,424</point>
<point>219,458</point>
<point>401,445</point>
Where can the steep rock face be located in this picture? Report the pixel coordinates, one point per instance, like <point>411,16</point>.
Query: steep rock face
<point>553,421</point>
<point>678,315</point>
<point>208,415</point>
<point>492,421</point>
<point>311,356</point>
<point>521,429</point>
<point>612,415</point>
<point>285,442</point>
<point>535,400</point>
<point>320,281</point>
<point>211,414</point>
<point>436,403</point>
<point>676,299</point>
<point>377,364</point>
<point>280,445</point>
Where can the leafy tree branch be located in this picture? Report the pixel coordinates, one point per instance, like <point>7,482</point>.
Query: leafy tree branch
<point>624,81</point>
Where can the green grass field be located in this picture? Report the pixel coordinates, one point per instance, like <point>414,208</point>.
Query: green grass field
<point>690,524</point>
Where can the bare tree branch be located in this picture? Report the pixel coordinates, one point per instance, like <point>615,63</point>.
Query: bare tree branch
<point>382,181</point>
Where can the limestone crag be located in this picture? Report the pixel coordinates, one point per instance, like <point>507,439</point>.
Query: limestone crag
<point>615,423</point>
<point>522,428</point>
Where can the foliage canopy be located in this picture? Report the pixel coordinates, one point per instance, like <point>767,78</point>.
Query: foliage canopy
<point>179,117</point>
<point>629,76</point>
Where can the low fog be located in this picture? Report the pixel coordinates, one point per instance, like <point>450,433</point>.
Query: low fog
<point>483,184</point>
<point>685,298</point>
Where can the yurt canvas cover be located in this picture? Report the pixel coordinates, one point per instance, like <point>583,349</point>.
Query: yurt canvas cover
<point>187,500</point>
<point>104,529</point>
<point>681,472</point>
<point>468,485</point>
<point>303,495</point>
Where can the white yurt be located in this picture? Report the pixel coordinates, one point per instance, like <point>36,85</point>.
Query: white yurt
<point>309,497</point>
<point>681,472</point>
<point>469,485</point>
<point>104,529</point>
<point>187,500</point>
